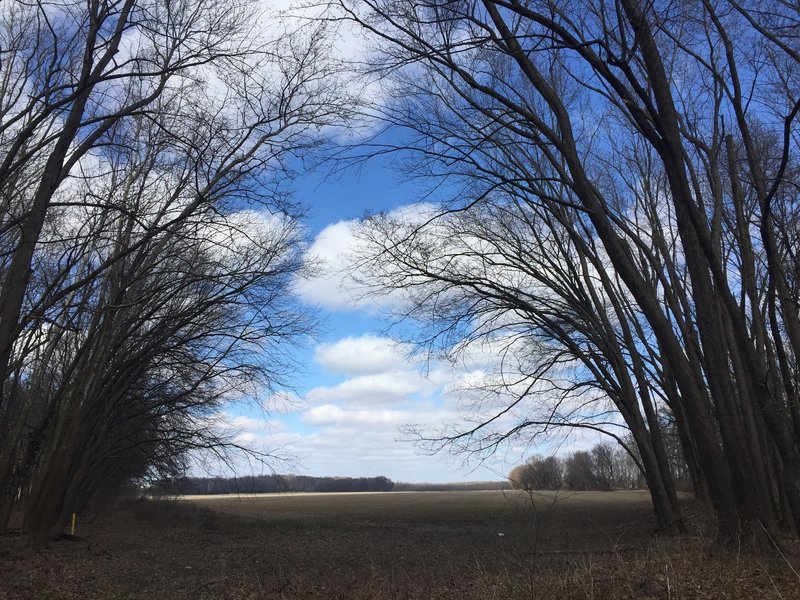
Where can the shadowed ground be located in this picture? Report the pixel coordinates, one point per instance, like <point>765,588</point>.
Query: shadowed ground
<point>389,545</point>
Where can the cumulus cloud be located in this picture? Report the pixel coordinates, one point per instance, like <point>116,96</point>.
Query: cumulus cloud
<point>379,389</point>
<point>355,451</point>
<point>335,254</point>
<point>247,428</point>
<point>349,43</point>
<point>331,286</point>
<point>367,354</point>
<point>330,414</point>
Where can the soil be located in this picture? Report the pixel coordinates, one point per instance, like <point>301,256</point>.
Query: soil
<point>407,545</point>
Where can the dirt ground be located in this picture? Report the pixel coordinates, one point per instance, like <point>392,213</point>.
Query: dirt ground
<point>458,545</point>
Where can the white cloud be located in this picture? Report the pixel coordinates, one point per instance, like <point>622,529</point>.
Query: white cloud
<point>386,420</point>
<point>248,428</point>
<point>336,252</point>
<point>280,402</point>
<point>239,232</point>
<point>242,422</point>
<point>247,437</point>
<point>330,414</point>
<point>358,451</point>
<point>349,36</point>
<point>366,354</point>
<point>331,286</point>
<point>390,388</point>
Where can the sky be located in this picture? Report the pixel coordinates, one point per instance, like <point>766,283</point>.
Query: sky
<point>356,388</point>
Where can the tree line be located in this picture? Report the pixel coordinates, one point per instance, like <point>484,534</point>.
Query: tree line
<point>615,217</point>
<point>268,484</point>
<point>147,247</point>
<point>602,468</point>
<point>466,486</point>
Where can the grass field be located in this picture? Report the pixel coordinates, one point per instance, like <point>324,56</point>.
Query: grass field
<point>411,545</point>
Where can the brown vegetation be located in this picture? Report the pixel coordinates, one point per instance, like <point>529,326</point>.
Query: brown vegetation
<point>408,545</point>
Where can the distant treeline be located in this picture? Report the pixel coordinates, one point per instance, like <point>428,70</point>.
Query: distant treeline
<point>468,486</point>
<point>602,468</point>
<point>265,484</point>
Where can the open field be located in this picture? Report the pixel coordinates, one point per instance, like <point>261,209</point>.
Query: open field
<point>390,545</point>
<point>535,521</point>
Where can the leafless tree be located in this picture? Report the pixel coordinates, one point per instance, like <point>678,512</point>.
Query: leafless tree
<point>538,474</point>
<point>579,471</point>
<point>659,141</point>
<point>147,250</point>
<point>508,275</point>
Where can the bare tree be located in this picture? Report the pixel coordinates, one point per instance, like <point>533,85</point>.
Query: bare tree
<point>508,275</point>
<point>603,459</point>
<point>659,140</point>
<point>538,474</point>
<point>579,471</point>
<point>147,272</point>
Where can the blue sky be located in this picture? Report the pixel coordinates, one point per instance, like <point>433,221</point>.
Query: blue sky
<point>357,387</point>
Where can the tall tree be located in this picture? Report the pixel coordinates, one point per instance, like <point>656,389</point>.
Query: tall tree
<point>660,139</point>
<point>148,250</point>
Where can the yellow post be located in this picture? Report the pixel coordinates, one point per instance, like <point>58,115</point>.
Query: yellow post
<point>72,528</point>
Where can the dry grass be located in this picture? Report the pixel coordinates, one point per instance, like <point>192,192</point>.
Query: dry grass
<point>408,545</point>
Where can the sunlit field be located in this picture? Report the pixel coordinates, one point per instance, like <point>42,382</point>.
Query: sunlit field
<point>391,545</point>
<point>489,518</point>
